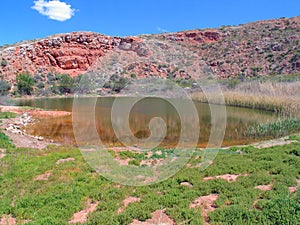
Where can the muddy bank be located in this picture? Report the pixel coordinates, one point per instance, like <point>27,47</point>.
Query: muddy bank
<point>15,128</point>
<point>35,112</point>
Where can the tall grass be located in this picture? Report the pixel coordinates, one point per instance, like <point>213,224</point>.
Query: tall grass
<point>274,129</point>
<point>279,97</point>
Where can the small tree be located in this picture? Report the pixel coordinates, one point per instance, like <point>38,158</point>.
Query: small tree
<point>3,62</point>
<point>66,84</point>
<point>25,83</point>
<point>83,84</point>
<point>133,75</point>
<point>4,87</point>
<point>120,84</point>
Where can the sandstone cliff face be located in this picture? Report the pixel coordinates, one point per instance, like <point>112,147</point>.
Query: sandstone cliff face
<point>70,53</point>
<point>193,36</point>
<point>261,48</point>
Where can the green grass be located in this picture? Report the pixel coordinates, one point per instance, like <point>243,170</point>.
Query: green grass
<point>55,200</point>
<point>276,129</point>
<point>71,183</point>
<point>7,115</point>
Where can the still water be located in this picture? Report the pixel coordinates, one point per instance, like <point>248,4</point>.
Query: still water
<point>61,129</point>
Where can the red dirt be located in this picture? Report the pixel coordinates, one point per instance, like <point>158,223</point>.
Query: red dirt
<point>227,177</point>
<point>34,112</point>
<point>128,201</point>
<point>2,152</point>
<point>293,189</point>
<point>187,184</point>
<point>81,217</point>
<point>19,139</point>
<point>7,220</point>
<point>64,160</point>
<point>206,203</point>
<point>158,218</point>
<point>264,187</point>
<point>202,163</point>
<point>44,176</point>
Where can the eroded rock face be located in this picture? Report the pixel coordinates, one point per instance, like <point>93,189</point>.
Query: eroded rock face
<point>254,49</point>
<point>70,53</point>
<point>194,36</point>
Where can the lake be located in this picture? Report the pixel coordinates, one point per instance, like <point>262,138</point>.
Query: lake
<point>61,129</point>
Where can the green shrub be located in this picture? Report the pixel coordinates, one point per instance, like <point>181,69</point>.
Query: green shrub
<point>4,87</point>
<point>83,84</point>
<point>66,84</point>
<point>54,89</point>
<point>25,83</point>
<point>134,162</point>
<point>233,83</point>
<point>5,142</point>
<point>40,85</point>
<point>120,84</point>
<point>7,115</point>
<point>50,77</point>
<point>282,210</point>
<point>275,129</point>
<point>3,63</point>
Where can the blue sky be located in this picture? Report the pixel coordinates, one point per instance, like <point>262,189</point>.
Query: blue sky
<point>30,19</point>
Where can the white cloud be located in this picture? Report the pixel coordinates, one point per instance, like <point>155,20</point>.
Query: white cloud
<point>54,9</point>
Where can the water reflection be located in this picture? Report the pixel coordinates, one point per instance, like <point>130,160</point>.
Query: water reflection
<point>60,129</point>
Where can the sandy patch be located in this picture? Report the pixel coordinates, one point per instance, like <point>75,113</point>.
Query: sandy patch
<point>23,141</point>
<point>210,162</point>
<point>44,176</point>
<point>128,201</point>
<point>276,142</point>
<point>227,177</point>
<point>127,148</point>
<point>267,187</point>
<point>34,112</point>
<point>206,204</point>
<point>122,162</point>
<point>7,220</point>
<point>151,162</point>
<point>188,165</point>
<point>158,218</point>
<point>187,184</point>
<point>13,129</point>
<point>293,189</point>
<point>64,160</point>
<point>81,217</point>
<point>2,153</point>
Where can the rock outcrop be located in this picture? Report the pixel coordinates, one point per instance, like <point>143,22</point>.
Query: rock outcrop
<point>260,48</point>
<point>70,53</point>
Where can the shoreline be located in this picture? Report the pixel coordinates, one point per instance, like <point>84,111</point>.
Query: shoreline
<point>20,138</point>
<point>286,106</point>
<point>35,112</point>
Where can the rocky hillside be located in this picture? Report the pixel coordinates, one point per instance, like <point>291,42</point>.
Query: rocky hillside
<point>260,48</point>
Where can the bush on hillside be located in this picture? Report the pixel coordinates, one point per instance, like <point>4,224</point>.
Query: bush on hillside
<point>25,83</point>
<point>4,87</point>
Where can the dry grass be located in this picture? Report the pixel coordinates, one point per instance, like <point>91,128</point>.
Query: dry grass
<point>279,97</point>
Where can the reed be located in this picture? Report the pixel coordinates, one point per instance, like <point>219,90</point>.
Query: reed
<point>279,97</point>
<point>276,129</point>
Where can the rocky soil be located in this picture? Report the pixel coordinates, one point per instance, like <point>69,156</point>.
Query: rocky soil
<point>15,128</point>
<point>260,48</point>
